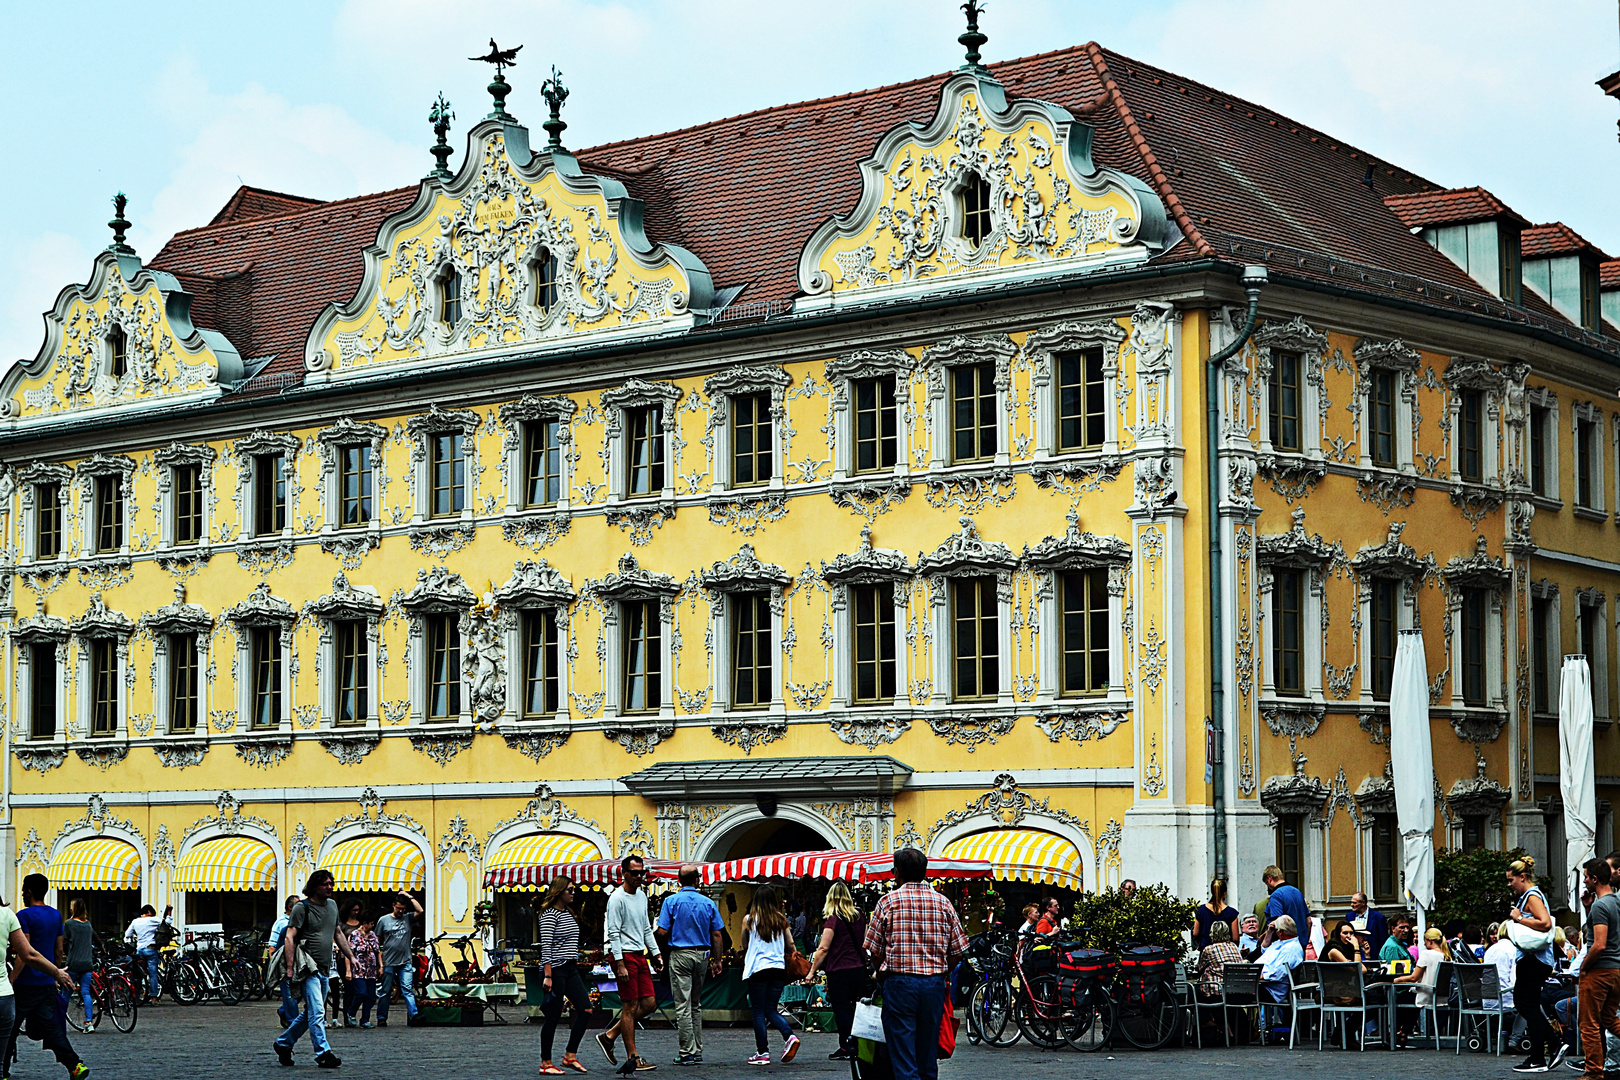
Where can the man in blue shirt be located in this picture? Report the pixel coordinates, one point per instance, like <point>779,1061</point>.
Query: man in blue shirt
<point>689,926</point>
<point>287,1011</point>
<point>1285,900</point>
<point>36,991</point>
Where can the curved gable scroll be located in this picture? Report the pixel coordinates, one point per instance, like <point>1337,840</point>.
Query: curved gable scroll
<point>541,251</point>
<point>1050,207</point>
<point>164,357</point>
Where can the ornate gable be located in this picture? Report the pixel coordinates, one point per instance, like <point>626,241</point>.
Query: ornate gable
<point>438,590</point>
<point>178,617</point>
<point>535,584</point>
<point>743,572</point>
<point>531,250</point>
<point>964,554</point>
<point>346,602</point>
<point>1076,550</point>
<point>867,566</point>
<point>1392,559</point>
<point>1049,206</point>
<point>1295,549</point>
<point>162,355</point>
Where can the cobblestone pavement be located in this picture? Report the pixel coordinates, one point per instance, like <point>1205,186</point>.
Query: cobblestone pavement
<point>172,1042</point>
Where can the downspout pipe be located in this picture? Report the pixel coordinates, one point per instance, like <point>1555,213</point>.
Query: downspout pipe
<point>1254,279</point>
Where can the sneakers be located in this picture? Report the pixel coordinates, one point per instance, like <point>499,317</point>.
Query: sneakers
<point>366,1024</point>
<point>760,1059</point>
<point>790,1048</point>
<point>1533,1064</point>
<point>1559,1055</point>
<point>283,1053</point>
<point>687,1059</point>
<point>840,1054</point>
<point>381,1022</point>
<point>79,1071</point>
<point>328,1060</point>
<point>606,1043</point>
<point>1578,1064</point>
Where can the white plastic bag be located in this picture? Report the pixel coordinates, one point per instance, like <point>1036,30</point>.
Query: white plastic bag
<point>868,1021</point>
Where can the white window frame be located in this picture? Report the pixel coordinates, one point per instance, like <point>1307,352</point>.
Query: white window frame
<point>421,428</point>
<point>86,703</point>
<point>178,455</point>
<point>1490,415</point>
<point>347,603</point>
<point>1044,347</point>
<point>616,403</point>
<point>1294,336</point>
<point>842,373</point>
<point>1495,690</point>
<point>419,669</point>
<point>24,642</point>
<point>1599,664</point>
<point>516,418</point>
<point>1586,411</point>
<point>843,612</point>
<point>937,363</point>
<point>1405,602</point>
<point>244,682</point>
<point>721,389</point>
<point>29,479</point>
<point>614,691</point>
<point>1541,399</point>
<point>161,703</point>
<point>246,452</point>
<point>535,586</point>
<point>1553,647</point>
<point>332,441</point>
<point>85,477</point>
<point>1395,357</point>
<point>1312,688</point>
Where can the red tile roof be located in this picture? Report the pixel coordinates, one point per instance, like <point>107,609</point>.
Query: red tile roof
<point>744,194</point>
<point>1458,206</point>
<point>1609,275</point>
<point>1556,238</point>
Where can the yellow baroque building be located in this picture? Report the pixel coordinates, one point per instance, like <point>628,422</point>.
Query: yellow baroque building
<point>1036,460</point>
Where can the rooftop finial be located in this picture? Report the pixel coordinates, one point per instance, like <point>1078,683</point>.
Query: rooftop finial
<point>972,40</point>
<point>499,87</point>
<point>555,94</point>
<point>119,225</point>
<point>440,116</point>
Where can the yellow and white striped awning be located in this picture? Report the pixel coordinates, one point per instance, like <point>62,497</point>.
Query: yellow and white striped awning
<point>227,864</point>
<point>98,863</point>
<point>376,864</point>
<point>528,862</point>
<point>1023,855</point>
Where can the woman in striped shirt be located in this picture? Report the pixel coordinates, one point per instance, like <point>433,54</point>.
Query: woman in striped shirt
<point>559,957</point>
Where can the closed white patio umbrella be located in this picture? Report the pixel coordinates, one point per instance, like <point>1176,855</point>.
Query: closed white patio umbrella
<point>1575,772</point>
<point>1412,766</point>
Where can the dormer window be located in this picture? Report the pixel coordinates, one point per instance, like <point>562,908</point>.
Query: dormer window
<point>975,196</point>
<point>450,297</point>
<point>117,353</point>
<point>1512,277</point>
<point>545,281</point>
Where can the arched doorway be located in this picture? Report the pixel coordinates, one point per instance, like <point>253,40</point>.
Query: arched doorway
<point>774,836</point>
<point>789,830</point>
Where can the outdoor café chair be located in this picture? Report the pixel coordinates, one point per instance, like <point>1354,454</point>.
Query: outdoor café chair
<point>1304,996</point>
<point>1240,990</point>
<point>1479,996</point>
<point>1439,1002</point>
<point>1343,995</point>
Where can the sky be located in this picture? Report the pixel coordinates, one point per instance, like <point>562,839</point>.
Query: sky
<point>178,103</point>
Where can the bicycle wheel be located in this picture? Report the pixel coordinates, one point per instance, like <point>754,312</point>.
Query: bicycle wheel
<point>991,1010</point>
<point>1095,1017</point>
<point>1040,1013</point>
<point>185,984</point>
<point>1152,1023</point>
<point>75,1012</point>
<point>223,987</point>
<point>120,1003</point>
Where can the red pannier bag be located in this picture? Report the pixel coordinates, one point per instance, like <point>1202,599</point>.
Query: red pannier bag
<point>1143,970</point>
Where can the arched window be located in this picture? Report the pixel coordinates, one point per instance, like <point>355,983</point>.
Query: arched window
<point>545,280</point>
<point>975,195</point>
<point>450,297</point>
<point>117,353</point>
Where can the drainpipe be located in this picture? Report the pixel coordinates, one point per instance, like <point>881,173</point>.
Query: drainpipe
<point>1254,278</point>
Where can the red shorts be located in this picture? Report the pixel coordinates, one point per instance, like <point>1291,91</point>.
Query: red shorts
<point>637,982</point>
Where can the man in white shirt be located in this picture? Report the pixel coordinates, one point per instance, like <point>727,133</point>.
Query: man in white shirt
<point>288,1010</point>
<point>628,936</point>
<point>1281,957</point>
<point>142,933</point>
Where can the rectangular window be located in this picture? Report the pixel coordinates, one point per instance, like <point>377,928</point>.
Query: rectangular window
<point>540,691</point>
<point>1473,833</point>
<point>1084,626</point>
<point>354,485</point>
<point>183,682</point>
<point>1473,646</point>
<point>1288,638</point>
<point>42,683</point>
<point>1512,274</point>
<point>1587,626</point>
<point>545,280</point>
<point>542,463</point>
<point>1080,400</point>
<point>973,412</point>
<point>1585,462</point>
<point>1290,846</point>
<point>1385,598</point>
<point>644,451</point>
<point>103,686</point>
<point>877,426</point>
<point>450,298</point>
<point>109,513</point>
<point>1285,402</point>
<point>47,520</point>
<point>1471,443</point>
<point>643,682</point>
<point>186,481</point>
<point>269,494</point>
<point>264,647</point>
<point>1591,316</point>
<point>975,628</point>
<point>447,473</point>
<point>1541,646</point>
<point>444,667</point>
<point>1386,854</point>
<point>750,439</point>
<point>750,651</point>
<point>874,644</point>
<point>352,705</point>
<point>1538,451</point>
<point>1381,419</point>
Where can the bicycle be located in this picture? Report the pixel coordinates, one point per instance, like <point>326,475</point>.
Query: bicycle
<point>110,994</point>
<point>1149,1014</point>
<point>990,1001</point>
<point>1051,1014</point>
<point>199,975</point>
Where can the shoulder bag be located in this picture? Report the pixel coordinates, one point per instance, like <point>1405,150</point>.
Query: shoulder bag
<point>796,965</point>
<point>1525,939</point>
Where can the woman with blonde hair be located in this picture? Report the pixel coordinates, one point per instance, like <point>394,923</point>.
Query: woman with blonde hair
<point>1530,918</point>
<point>559,961</point>
<point>765,930</point>
<point>80,959</point>
<point>842,955</point>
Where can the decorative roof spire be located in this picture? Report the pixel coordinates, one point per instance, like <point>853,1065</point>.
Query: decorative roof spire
<point>119,225</point>
<point>973,40</point>
<point>555,94</point>
<point>499,87</point>
<point>440,116</point>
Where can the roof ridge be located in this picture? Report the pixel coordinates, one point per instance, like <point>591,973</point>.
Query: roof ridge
<point>1161,181</point>
<point>315,209</point>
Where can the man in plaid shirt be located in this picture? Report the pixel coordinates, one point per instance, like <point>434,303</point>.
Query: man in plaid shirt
<point>915,939</point>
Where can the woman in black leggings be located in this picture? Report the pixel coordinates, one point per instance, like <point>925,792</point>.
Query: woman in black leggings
<point>559,959</point>
<point>1530,911</point>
